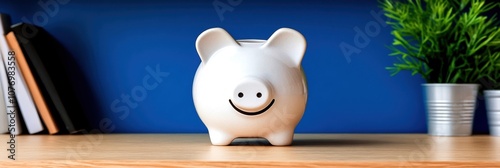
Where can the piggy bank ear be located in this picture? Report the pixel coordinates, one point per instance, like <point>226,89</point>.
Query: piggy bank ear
<point>289,41</point>
<point>212,40</point>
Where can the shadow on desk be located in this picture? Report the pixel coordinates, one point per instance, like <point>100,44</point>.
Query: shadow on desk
<point>309,142</point>
<point>337,142</point>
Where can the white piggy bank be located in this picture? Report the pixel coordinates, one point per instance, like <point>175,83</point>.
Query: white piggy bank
<point>250,88</point>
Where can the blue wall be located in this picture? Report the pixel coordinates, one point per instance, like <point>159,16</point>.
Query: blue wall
<point>114,43</point>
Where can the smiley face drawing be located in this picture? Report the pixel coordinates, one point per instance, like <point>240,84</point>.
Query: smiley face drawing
<point>252,97</point>
<point>250,88</point>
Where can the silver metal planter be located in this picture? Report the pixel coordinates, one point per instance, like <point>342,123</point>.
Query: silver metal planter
<point>450,108</point>
<point>493,110</point>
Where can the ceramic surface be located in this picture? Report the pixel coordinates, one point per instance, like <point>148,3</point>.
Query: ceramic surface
<point>250,88</point>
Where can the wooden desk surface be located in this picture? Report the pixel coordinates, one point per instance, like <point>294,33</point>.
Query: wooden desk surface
<point>188,150</point>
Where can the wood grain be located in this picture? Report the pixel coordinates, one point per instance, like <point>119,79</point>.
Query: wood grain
<point>308,150</point>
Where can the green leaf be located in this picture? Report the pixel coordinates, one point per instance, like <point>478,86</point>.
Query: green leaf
<point>445,41</point>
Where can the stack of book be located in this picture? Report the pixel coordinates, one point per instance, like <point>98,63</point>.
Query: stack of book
<point>35,92</point>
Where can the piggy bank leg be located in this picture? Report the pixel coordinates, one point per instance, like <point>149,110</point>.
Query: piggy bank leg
<point>280,138</point>
<point>220,138</point>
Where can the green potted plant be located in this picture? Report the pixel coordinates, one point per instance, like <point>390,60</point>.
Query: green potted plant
<point>451,45</point>
<point>491,86</point>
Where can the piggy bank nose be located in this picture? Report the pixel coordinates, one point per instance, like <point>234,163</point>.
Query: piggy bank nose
<point>252,94</point>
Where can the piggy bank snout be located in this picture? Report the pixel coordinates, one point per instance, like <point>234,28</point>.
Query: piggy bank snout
<point>252,94</point>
